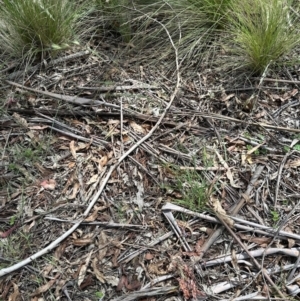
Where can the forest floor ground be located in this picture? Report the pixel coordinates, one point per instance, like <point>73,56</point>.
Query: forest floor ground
<point>227,147</point>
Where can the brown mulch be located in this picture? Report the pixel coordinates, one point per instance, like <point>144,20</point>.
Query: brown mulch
<point>60,155</point>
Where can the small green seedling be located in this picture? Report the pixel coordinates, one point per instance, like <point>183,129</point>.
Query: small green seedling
<point>193,188</point>
<point>275,216</point>
<point>99,295</point>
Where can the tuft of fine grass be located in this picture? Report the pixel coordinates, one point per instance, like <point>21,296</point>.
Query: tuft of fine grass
<point>31,27</point>
<point>263,32</point>
<point>115,17</point>
<point>194,26</point>
<point>193,188</point>
<point>214,11</point>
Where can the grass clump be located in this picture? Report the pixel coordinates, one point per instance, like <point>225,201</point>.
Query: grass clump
<point>263,31</point>
<point>31,27</point>
<point>192,24</point>
<point>115,16</point>
<point>214,11</point>
<point>193,189</point>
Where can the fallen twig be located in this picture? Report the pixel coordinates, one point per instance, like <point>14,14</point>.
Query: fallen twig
<point>254,227</point>
<point>227,118</point>
<point>293,252</point>
<point>102,224</point>
<point>72,99</point>
<point>51,63</point>
<point>279,176</point>
<point>154,291</point>
<point>115,88</point>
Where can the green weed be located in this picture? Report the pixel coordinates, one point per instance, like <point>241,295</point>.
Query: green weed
<point>275,216</point>
<point>193,190</point>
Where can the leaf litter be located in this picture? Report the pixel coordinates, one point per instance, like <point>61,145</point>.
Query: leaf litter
<point>63,134</point>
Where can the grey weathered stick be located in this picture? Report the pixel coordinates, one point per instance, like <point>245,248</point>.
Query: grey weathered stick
<point>235,210</point>
<point>279,176</point>
<point>51,63</point>
<point>243,224</point>
<point>72,99</point>
<point>264,272</point>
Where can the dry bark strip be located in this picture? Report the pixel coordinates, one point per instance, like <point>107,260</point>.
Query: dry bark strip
<point>50,64</point>
<point>246,122</point>
<point>154,291</point>
<point>116,88</point>
<point>71,99</point>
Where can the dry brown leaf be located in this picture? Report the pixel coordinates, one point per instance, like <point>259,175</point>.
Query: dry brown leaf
<point>227,97</point>
<point>38,127</point>
<point>253,149</point>
<point>94,215</point>
<point>20,120</point>
<point>274,96</point>
<point>228,172</point>
<point>27,228</point>
<point>73,149</point>
<point>47,269</point>
<point>44,288</point>
<point>82,146</point>
<point>83,269</point>
<point>98,274</point>
<point>292,163</point>
<point>137,128</point>
<point>287,95</point>
<point>133,285</point>
<point>114,259</point>
<point>234,260</point>
<point>74,191</point>
<point>60,250</point>
<point>103,161</point>
<point>5,288</point>
<point>291,242</point>
<point>88,281</point>
<point>59,285</point>
<point>126,138</point>
<point>148,256</point>
<point>8,232</point>
<point>102,242</point>
<point>263,241</point>
<point>71,165</point>
<point>243,158</point>
<point>157,268</point>
<point>15,296</point>
<point>121,283</point>
<point>93,179</point>
<point>265,290</point>
<point>218,209</point>
<point>82,242</point>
